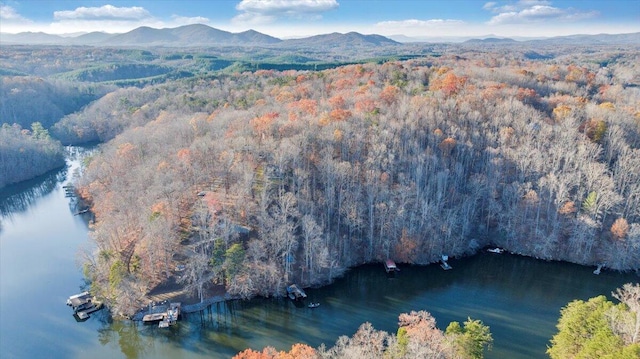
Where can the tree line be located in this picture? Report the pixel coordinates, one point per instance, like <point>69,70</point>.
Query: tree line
<point>417,337</point>
<point>255,180</point>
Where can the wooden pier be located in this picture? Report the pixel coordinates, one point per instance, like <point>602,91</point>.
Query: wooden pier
<point>295,293</point>
<point>165,315</point>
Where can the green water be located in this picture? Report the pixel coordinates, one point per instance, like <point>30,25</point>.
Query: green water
<point>41,242</point>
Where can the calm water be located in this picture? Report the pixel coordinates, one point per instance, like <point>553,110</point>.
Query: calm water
<point>41,242</point>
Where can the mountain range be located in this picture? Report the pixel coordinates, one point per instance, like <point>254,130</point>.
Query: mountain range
<point>192,35</point>
<point>203,35</point>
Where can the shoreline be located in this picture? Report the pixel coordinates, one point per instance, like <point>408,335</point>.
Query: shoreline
<point>200,306</point>
<point>191,308</point>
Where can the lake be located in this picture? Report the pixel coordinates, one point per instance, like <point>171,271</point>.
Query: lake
<point>42,242</point>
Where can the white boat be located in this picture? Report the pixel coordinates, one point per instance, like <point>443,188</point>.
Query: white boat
<point>314,305</point>
<point>495,250</point>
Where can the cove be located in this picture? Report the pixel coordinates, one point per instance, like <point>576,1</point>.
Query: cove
<point>41,241</point>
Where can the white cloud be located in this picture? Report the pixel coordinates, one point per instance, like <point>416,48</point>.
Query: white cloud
<point>112,19</point>
<point>266,11</point>
<point>528,3</point>
<point>490,5</point>
<point>286,6</point>
<point>10,15</point>
<point>531,11</point>
<point>103,12</point>
<point>497,8</point>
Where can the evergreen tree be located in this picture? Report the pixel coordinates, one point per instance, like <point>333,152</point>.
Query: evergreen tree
<point>584,331</point>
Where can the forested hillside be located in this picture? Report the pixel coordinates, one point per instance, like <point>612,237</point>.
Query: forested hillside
<point>26,99</point>
<point>258,179</point>
<point>29,107</point>
<point>25,153</point>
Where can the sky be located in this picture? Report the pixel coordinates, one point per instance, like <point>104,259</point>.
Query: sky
<point>299,18</point>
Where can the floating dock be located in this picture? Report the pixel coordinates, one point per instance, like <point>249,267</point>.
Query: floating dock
<point>295,293</point>
<point>84,314</point>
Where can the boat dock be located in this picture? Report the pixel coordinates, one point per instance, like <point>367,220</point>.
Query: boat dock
<point>443,262</point>
<point>496,250</point>
<point>390,266</point>
<point>84,314</point>
<point>165,314</point>
<point>599,269</point>
<point>83,304</point>
<point>295,293</point>
<point>69,191</point>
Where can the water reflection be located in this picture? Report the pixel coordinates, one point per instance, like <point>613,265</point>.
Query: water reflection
<point>19,197</point>
<point>126,337</point>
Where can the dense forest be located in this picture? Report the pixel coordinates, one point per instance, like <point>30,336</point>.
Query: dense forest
<point>257,179</point>
<point>29,107</point>
<point>27,153</point>
<point>28,99</point>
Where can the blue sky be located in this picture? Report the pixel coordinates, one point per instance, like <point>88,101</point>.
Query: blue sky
<point>295,18</point>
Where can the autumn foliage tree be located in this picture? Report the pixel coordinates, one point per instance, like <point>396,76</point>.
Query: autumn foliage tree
<point>317,171</point>
<point>620,228</point>
<point>298,351</point>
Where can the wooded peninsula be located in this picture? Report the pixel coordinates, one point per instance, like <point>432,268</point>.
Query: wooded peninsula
<point>254,179</point>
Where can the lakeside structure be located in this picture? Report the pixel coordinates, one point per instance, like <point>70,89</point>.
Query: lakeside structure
<point>166,314</point>
<point>83,304</point>
<point>294,292</point>
<point>390,266</point>
<point>444,262</point>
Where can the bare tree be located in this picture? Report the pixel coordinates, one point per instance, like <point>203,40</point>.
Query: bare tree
<point>626,323</point>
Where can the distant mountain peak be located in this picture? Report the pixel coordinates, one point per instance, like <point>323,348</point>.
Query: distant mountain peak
<point>492,40</point>
<point>337,40</point>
